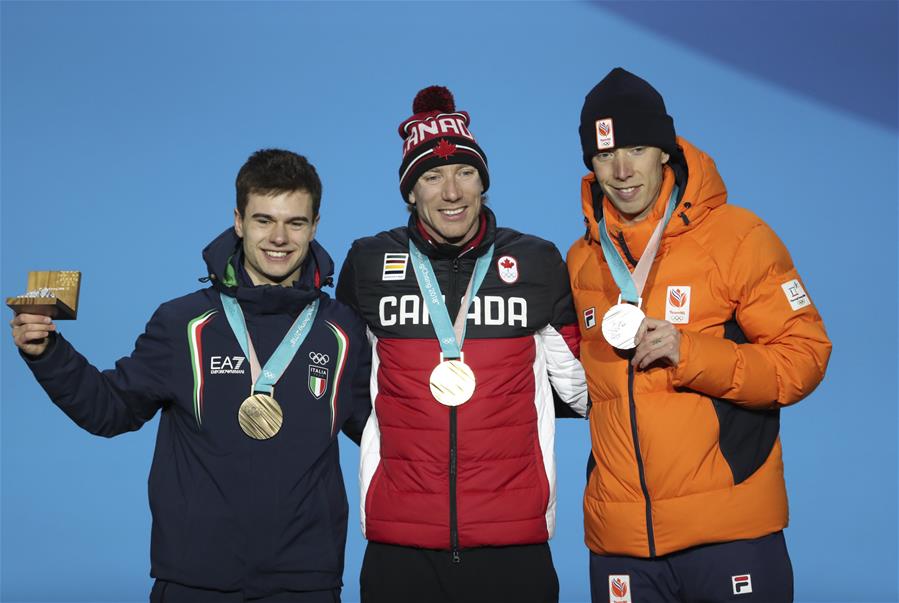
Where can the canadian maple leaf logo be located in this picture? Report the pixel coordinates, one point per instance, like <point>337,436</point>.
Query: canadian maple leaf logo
<point>444,149</point>
<point>507,266</point>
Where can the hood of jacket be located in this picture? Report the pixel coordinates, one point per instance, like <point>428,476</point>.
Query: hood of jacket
<point>703,191</point>
<point>223,257</point>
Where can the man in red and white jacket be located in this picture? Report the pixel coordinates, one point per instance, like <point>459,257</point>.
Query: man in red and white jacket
<point>457,471</point>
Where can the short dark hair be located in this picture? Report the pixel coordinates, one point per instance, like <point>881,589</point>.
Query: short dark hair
<point>274,171</point>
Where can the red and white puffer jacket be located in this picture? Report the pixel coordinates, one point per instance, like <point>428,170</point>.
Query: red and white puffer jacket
<point>483,473</point>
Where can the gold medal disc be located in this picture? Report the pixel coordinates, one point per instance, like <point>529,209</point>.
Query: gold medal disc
<point>260,416</point>
<point>452,382</point>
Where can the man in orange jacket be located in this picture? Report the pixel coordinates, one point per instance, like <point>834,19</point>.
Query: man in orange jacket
<point>696,329</point>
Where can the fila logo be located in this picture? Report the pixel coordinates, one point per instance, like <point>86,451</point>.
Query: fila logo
<point>619,588</point>
<point>395,266</point>
<point>589,318</point>
<point>677,305</point>
<point>605,133</point>
<point>742,584</point>
<point>508,269</point>
<point>226,365</point>
<point>796,295</point>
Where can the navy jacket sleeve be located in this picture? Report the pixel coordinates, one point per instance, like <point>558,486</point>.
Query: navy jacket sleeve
<point>359,384</point>
<point>346,283</point>
<point>114,401</point>
<point>360,381</point>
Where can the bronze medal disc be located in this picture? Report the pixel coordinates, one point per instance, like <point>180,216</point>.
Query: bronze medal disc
<point>260,416</point>
<point>452,382</point>
<point>620,325</point>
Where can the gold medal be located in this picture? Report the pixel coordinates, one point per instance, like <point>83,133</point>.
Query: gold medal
<point>452,382</point>
<point>260,416</point>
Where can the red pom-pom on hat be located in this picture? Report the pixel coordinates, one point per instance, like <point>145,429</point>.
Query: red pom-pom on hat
<point>434,98</point>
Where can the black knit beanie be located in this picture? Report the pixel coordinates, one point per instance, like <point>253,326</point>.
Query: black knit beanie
<point>624,110</point>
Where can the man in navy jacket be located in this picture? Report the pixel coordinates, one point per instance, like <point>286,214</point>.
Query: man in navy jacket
<point>254,375</point>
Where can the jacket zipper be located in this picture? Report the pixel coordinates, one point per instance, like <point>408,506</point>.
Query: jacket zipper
<point>627,252</point>
<point>454,527</point>
<point>633,408</point>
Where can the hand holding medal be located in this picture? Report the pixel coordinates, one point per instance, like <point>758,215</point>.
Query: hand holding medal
<point>623,321</point>
<point>656,340</point>
<point>620,324</point>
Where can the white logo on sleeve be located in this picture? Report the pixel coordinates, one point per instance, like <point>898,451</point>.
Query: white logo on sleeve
<point>619,588</point>
<point>677,305</point>
<point>796,294</point>
<point>742,584</point>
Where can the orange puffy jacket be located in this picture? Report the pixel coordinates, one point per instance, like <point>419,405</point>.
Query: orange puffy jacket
<point>690,454</point>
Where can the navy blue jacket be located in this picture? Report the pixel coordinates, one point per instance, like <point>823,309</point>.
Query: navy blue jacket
<point>229,512</point>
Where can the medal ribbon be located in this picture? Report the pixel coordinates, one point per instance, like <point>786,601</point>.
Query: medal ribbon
<point>450,336</point>
<point>631,284</point>
<point>264,378</point>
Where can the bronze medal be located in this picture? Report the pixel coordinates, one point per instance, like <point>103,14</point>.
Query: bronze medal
<point>260,416</point>
<point>452,382</point>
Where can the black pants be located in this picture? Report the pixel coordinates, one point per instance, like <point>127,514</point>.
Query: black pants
<point>171,592</point>
<point>742,570</point>
<point>512,574</point>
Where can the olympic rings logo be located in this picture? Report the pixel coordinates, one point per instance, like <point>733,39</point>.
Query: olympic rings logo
<point>319,358</point>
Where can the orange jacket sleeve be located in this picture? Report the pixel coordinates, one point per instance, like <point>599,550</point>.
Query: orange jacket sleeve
<point>788,347</point>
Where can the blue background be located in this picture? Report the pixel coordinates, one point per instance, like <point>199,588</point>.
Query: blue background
<point>124,124</point>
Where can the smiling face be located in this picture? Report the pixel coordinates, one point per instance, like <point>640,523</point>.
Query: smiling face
<point>276,231</point>
<point>448,202</point>
<point>631,178</point>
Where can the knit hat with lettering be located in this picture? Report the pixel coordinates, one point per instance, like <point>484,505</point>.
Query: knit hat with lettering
<point>436,135</point>
<point>624,110</point>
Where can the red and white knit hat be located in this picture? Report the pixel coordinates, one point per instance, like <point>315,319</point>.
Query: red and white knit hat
<point>436,135</point>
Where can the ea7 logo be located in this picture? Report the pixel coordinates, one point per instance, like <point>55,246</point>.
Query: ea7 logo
<point>226,365</point>
<point>742,584</point>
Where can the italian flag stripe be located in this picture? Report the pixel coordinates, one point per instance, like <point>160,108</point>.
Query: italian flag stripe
<point>194,340</point>
<point>343,346</point>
